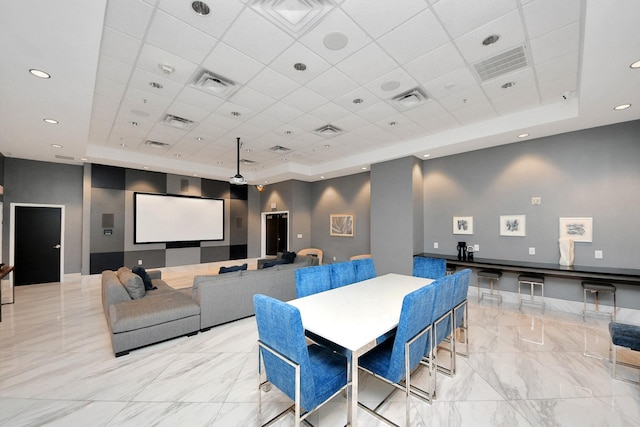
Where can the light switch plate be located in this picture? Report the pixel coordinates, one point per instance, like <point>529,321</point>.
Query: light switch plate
<point>598,254</point>
<point>300,236</point>
<point>435,245</point>
<point>476,248</point>
<point>532,251</point>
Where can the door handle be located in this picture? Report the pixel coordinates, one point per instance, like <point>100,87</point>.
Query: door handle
<point>58,246</point>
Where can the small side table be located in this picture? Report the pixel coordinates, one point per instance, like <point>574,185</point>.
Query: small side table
<point>4,271</point>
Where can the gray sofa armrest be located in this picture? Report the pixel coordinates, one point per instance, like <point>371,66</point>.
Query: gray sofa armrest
<point>155,274</point>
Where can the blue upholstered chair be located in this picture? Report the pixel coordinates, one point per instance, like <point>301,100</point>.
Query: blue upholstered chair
<point>442,317</point>
<point>308,375</point>
<point>364,269</point>
<point>459,318</point>
<point>429,268</point>
<point>311,280</point>
<point>342,274</point>
<point>393,360</point>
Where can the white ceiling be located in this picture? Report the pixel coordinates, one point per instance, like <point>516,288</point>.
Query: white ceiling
<point>103,55</point>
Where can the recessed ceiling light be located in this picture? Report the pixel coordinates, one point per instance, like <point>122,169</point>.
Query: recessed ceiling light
<point>51,121</point>
<point>426,155</point>
<point>622,107</point>
<point>523,135</point>
<point>635,65</point>
<point>299,66</point>
<point>140,113</point>
<point>393,123</point>
<point>493,38</point>
<point>335,41</point>
<point>235,113</point>
<point>155,85</point>
<point>84,159</point>
<point>321,176</point>
<point>199,138</point>
<point>200,7</point>
<point>508,85</point>
<point>166,68</point>
<point>56,145</point>
<point>145,167</point>
<point>288,132</point>
<point>327,146</point>
<point>40,73</point>
<point>364,168</point>
<point>123,145</point>
<point>132,123</point>
<point>178,155</point>
<point>358,101</point>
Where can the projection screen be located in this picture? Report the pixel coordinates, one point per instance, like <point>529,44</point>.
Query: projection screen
<point>162,218</point>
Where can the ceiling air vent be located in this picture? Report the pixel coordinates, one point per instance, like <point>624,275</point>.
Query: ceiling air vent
<point>214,84</point>
<point>156,144</point>
<point>328,131</point>
<point>409,99</point>
<point>279,149</point>
<point>293,16</point>
<point>502,64</point>
<point>177,122</point>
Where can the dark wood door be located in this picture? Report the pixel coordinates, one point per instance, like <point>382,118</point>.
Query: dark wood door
<point>37,248</point>
<point>276,233</point>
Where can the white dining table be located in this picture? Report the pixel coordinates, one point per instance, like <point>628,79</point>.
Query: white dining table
<point>354,316</point>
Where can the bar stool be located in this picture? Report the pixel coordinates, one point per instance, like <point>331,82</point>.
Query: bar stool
<point>450,269</point>
<point>596,288</point>
<point>491,275</point>
<point>532,280</point>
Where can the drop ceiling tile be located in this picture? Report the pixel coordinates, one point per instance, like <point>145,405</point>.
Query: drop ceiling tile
<point>264,122</point>
<point>331,84</point>
<point>461,16</point>
<point>426,111</point>
<point>516,101</point>
<point>556,44</point>
<point>346,100</point>
<point>552,90</point>
<point>415,37</point>
<point>252,99</point>
<point>474,113</point>
<point>151,57</point>
<point>284,64</point>
<point>436,63</point>
<point>119,46</point>
<point>219,121</point>
<point>367,64</point>
<point>247,133</point>
<point>438,123</point>
<point>283,112</point>
<point>380,16</point>
<point>215,23</point>
<point>304,99</point>
<point>272,83</point>
<point>144,100</point>
<point>208,131</point>
<point>231,64</point>
<point>129,17</point>
<point>377,112</point>
<point>142,80</point>
<point>522,80</point>
<point>336,21</point>
<point>199,99</point>
<point>464,99</point>
<point>109,88</point>
<point>375,134</point>
<point>256,37</point>
<point>543,16</point>
<point>228,108</point>
<point>329,112</point>
<point>555,68</point>
<point>398,75</point>
<point>309,122</point>
<point>350,123</point>
<point>461,79</point>
<point>508,27</point>
<point>111,69</point>
<point>174,36</point>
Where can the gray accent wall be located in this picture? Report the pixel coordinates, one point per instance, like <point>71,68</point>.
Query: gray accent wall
<point>29,181</point>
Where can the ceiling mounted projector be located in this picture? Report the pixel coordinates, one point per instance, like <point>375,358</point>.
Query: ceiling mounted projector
<point>238,179</point>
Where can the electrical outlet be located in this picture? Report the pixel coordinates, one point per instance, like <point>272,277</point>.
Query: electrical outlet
<point>476,248</point>
<point>300,236</point>
<point>334,258</point>
<point>536,200</point>
<point>598,254</point>
<point>532,251</point>
<point>435,245</point>
<point>139,262</point>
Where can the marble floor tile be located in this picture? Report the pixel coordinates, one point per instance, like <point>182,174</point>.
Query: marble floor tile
<point>525,368</point>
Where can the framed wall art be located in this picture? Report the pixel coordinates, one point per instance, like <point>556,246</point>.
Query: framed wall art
<point>577,229</point>
<point>341,225</point>
<point>513,225</point>
<point>462,225</point>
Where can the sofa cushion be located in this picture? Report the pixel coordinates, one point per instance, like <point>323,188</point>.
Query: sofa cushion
<point>132,283</point>
<point>150,311</point>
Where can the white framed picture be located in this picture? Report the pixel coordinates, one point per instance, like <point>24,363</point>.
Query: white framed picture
<point>462,225</point>
<point>513,225</point>
<point>578,229</point>
<point>341,225</point>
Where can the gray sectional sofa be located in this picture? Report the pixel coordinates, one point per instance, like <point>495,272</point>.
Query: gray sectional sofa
<point>156,316</point>
<point>165,313</point>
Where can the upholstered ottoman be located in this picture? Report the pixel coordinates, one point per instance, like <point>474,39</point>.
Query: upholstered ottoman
<point>625,336</point>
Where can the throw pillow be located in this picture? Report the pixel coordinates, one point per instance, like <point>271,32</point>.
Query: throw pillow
<point>133,284</point>
<point>140,271</point>
<point>289,257</point>
<point>233,268</point>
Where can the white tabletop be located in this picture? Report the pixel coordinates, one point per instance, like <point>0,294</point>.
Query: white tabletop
<point>354,315</point>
